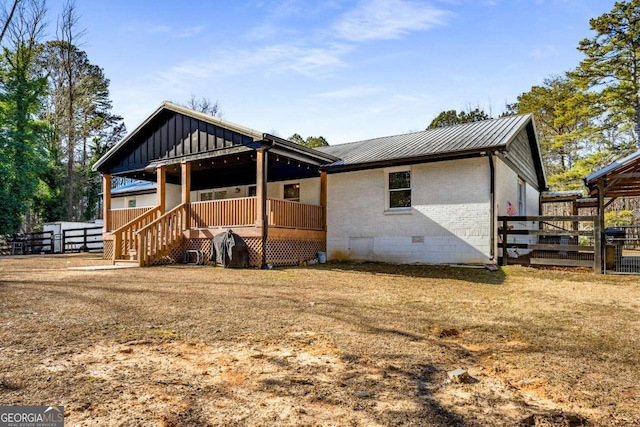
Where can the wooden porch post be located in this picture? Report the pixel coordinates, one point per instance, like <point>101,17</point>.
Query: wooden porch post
<point>261,196</point>
<point>161,180</point>
<point>185,184</point>
<point>599,229</point>
<point>106,202</point>
<point>323,198</point>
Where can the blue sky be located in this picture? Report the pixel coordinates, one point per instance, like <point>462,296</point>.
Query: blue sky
<point>347,70</point>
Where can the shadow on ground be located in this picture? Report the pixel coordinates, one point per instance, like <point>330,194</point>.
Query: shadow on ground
<point>468,274</point>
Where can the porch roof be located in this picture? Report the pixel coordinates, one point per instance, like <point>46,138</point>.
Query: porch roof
<point>174,134</point>
<point>621,178</point>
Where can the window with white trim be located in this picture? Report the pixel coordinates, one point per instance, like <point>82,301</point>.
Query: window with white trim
<point>206,196</point>
<point>132,203</point>
<point>399,189</point>
<point>522,197</point>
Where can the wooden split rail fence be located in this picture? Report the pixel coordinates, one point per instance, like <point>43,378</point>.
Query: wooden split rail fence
<point>569,241</point>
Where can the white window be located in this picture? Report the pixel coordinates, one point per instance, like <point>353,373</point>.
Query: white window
<point>204,197</point>
<point>219,195</point>
<point>132,203</point>
<point>292,192</point>
<point>399,189</point>
<point>253,191</point>
<point>522,197</point>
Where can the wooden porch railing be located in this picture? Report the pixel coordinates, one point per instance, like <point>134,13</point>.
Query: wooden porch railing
<point>120,217</point>
<point>124,239</point>
<point>223,213</point>
<point>157,238</point>
<point>283,213</point>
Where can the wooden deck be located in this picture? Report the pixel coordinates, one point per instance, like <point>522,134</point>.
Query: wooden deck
<point>296,231</point>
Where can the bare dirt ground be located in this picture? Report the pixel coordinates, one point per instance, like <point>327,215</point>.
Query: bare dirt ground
<point>339,344</point>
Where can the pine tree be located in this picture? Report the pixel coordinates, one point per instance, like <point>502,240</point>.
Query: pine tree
<point>22,89</point>
<point>612,64</point>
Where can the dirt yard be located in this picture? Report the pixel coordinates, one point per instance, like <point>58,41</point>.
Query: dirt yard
<point>339,344</point>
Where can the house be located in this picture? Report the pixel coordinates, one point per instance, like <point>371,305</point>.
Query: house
<point>432,196</point>
<point>424,197</point>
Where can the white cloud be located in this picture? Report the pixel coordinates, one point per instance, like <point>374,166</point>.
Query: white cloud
<point>546,51</point>
<point>156,29</point>
<point>168,30</point>
<point>387,19</point>
<point>317,62</point>
<point>350,92</point>
<point>189,32</point>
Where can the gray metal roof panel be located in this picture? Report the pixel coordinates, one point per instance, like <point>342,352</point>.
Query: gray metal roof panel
<point>613,166</point>
<point>485,134</point>
<point>135,186</point>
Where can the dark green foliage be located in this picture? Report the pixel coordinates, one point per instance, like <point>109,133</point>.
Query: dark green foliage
<point>22,157</point>
<point>311,142</point>
<point>564,118</point>
<point>611,68</point>
<point>79,110</point>
<point>453,117</point>
<point>55,122</point>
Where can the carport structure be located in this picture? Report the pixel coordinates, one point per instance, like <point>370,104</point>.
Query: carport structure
<point>620,179</point>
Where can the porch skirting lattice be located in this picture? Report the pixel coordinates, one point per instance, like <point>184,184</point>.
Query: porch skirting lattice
<point>108,249</point>
<point>280,252</point>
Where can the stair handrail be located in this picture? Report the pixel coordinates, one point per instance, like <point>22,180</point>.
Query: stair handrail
<point>146,254</point>
<point>120,232</point>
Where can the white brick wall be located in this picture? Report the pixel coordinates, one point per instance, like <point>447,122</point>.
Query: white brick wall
<point>142,200</point>
<point>451,211</point>
<point>173,199</point>
<point>507,190</point>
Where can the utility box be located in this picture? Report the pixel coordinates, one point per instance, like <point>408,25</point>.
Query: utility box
<point>614,238</point>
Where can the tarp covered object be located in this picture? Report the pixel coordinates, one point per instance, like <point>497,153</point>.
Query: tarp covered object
<point>229,250</point>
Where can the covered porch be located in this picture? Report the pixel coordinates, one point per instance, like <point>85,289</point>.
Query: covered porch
<point>621,244</point>
<point>268,190</point>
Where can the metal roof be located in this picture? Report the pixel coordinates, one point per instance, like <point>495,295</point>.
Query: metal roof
<point>622,177</point>
<point>613,166</point>
<point>135,187</point>
<point>458,139</point>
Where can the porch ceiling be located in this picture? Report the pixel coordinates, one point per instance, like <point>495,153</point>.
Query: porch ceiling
<point>237,168</point>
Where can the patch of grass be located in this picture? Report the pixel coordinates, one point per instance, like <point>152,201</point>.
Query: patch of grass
<point>336,344</point>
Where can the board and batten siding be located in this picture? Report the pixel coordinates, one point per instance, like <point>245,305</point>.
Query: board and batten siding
<point>175,135</point>
<point>449,221</point>
<point>520,158</point>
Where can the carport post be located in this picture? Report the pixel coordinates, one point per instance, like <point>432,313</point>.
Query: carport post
<point>186,191</point>
<point>261,196</point>
<point>599,229</point>
<point>161,179</point>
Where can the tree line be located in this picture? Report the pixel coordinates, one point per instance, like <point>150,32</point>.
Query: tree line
<point>56,119</point>
<point>589,116</point>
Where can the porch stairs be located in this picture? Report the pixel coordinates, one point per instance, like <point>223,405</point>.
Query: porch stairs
<point>150,237</point>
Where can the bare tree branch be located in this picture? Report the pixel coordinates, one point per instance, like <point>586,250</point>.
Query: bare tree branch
<point>8,20</point>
